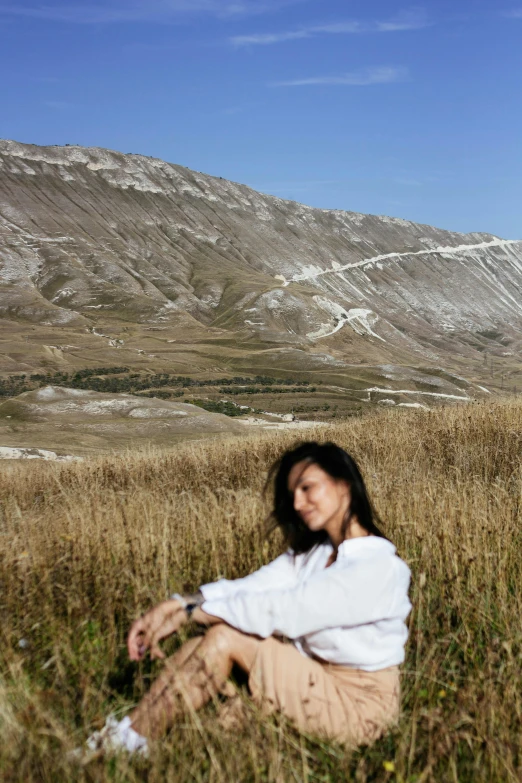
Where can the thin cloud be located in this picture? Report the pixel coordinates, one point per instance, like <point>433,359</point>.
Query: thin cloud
<point>515,13</point>
<point>268,38</point>
<point>338,28</point>
<point>132,11</point>
<point>362,78</point>
<point>253,7</point>
<point>231,111</point>
<point>141,10</point>
<point>264,39</point>
<point>412,19</point>
<point>409,20</point>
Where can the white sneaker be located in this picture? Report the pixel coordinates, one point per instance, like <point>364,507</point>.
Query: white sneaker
<point>115,737</point>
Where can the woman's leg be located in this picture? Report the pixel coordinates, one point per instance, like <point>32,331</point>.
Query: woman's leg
<point>193,676</point>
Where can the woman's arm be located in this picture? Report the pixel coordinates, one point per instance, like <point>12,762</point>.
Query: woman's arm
<point>162,621</point>
<point>332,598</point>
<point>167,617</point>
<point>281,572</point>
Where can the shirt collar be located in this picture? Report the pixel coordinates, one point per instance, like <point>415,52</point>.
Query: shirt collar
<point>351,546</point>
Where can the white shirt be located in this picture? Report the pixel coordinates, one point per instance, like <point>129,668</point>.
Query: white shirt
<point>352,613</point>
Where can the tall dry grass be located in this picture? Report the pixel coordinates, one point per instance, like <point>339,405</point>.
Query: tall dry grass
<point>86,547</point>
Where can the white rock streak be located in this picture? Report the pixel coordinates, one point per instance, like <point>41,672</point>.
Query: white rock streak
<point>415,392</point>
<point>321,333</point>
<point>357,317</point>
<point>446,250</point>
<point>7,452</point>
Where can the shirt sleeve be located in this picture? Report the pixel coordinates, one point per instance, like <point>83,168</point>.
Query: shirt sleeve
<point>280,573</point>
<point>339,596</point>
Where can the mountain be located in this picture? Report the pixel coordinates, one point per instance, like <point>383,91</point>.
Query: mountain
<point>165,267</point>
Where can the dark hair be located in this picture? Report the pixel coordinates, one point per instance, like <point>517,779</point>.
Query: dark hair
<point>339,465</point>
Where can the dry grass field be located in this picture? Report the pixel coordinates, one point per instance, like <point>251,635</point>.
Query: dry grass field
<point>85,547</point>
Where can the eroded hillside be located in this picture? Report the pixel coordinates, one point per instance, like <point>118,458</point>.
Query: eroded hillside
<point>159,266</point>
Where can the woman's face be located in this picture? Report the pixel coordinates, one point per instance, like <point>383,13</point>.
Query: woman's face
<point>321,501</point>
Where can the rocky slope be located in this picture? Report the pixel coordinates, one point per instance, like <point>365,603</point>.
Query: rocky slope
<point>90,422</point>
<point>86,422</point>
<point>91,237</point>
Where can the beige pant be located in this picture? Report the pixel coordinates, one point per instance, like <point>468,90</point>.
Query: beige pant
<point>349,705</point>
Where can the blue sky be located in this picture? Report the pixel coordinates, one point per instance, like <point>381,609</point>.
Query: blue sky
<point>374,106</point>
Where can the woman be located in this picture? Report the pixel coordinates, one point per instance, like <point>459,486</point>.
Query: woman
<point>338,596</point>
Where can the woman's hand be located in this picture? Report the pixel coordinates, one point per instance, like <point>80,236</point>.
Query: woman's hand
<point>148,630</point>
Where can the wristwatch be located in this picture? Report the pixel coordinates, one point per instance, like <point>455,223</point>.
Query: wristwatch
<point>186,605</point>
